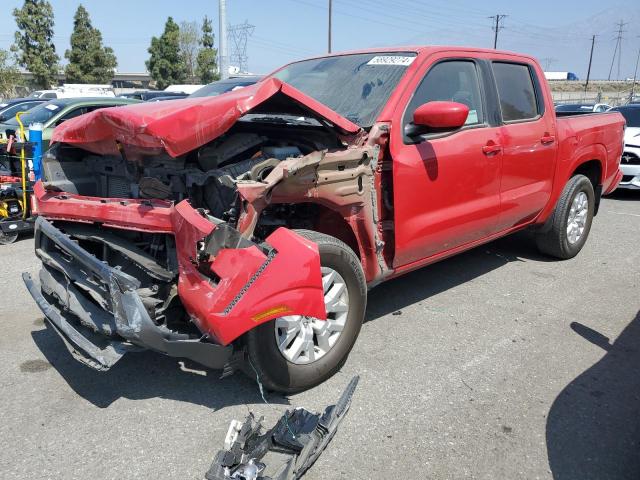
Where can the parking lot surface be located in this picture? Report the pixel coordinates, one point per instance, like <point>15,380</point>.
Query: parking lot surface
<point>497,363</point>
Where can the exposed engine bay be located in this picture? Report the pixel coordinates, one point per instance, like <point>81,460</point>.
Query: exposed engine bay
<point>206,176</point>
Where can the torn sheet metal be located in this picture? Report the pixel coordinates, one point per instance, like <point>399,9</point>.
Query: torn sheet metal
<point>286,451</point>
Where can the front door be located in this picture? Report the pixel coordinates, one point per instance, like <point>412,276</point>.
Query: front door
<point>447,186</point>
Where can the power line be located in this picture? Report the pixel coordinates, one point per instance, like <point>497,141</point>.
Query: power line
<point>496,28</point>
<point>618,49</point>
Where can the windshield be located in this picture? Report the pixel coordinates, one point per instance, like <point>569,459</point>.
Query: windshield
<point>630,114</point>
<point>9,112</point>
<point>39,114</point>
<point>217,88</point>
<point>355,86</point>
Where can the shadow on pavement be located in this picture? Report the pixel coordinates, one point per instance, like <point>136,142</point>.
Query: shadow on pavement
<point>624,194</point>
<point>149,375</point>
<point>593,427</point>
<point>429,281</point>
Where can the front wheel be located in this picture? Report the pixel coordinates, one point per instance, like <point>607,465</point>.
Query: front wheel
<point>568,227</point>
<point>294,353</point>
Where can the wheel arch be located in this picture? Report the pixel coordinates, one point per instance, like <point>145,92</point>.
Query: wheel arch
<point>589,161</point>
<point>592,169</point>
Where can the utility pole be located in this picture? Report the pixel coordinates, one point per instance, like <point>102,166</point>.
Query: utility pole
<point>593,43</point>
<point>330,21</point>
<point>618,49</point>
<point>498,18</point>
<point>635,76</point>
<point>223,57</point>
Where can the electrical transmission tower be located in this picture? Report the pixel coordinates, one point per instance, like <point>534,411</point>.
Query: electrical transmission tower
<point>547,62</point>
<point>618,49</point>
<point>497,27</point>
<point>238,36</point>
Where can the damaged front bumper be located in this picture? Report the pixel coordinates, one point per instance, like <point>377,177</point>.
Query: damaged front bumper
<point>63,276</point>
<point>100,315</point>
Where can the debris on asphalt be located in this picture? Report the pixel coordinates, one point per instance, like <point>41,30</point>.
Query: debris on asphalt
<point>284,452</point>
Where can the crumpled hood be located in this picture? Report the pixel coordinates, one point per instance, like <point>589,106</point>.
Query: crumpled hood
<point>182,125</point>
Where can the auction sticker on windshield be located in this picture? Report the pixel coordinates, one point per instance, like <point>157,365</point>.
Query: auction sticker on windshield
<point>400,60</point>
<point>53,108</point>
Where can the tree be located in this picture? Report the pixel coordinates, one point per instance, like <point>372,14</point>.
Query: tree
<point>33,47</point>
<point>10,77</point>
<point>89,61</point>
<point>165,65</point>
<point>207,69</point>
<point>189,40</point>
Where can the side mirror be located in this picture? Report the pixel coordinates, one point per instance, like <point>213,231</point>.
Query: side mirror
<point>437,116</point>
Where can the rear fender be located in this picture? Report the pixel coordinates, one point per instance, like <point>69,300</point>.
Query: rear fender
<point>566,168</point>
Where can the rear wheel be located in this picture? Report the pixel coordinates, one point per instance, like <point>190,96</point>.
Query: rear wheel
<point>295,352</point>
<point>568,227</point>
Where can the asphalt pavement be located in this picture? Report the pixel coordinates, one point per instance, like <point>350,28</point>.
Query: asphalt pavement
<point>499,363</point>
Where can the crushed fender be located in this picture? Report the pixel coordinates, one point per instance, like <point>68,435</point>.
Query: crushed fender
<point>286,451</point>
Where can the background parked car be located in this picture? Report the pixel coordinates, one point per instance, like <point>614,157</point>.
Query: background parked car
<point>168,97</point>
<point>223,86</point>
<point>582,107</point>
<point>630,164</point>
<point>54,112</point>
<point>187,89</point>
<point>146,95</point>
<point>76,90</point>
<point>9,108</point>
<point>46,94</point>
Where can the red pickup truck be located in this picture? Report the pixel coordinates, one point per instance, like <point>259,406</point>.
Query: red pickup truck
<point>244,230</point>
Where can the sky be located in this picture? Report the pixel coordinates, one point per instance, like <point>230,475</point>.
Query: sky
<point>556,32</point>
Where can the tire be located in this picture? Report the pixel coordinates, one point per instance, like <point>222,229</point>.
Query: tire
<point>554,239</point>
<point>8,238</point>
<point>265,359</point>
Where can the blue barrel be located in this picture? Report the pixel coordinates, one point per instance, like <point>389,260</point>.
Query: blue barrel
<point>35,137</point>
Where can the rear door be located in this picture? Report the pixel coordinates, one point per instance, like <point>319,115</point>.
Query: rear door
<point>528,140</point>
<point>447,186</point>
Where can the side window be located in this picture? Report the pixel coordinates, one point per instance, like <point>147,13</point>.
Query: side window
<point>516,91</point>
<point>451,80</point>
<point>97,107</point>
<point>76,112</point>
<point>49,95</point>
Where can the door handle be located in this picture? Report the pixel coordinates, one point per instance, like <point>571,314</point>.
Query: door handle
<point>491,149</point>
<point>547,139</point>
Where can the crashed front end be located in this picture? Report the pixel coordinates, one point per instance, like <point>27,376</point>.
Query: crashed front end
<point>181,243</point>
<point>103,311</point>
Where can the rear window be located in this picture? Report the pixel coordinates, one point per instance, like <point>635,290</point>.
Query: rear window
<point>516,91</point>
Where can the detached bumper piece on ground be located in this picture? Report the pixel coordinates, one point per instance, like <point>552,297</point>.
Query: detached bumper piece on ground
<point>286,451</point>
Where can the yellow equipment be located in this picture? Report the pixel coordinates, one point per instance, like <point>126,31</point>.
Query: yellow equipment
<point>14,206</point>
